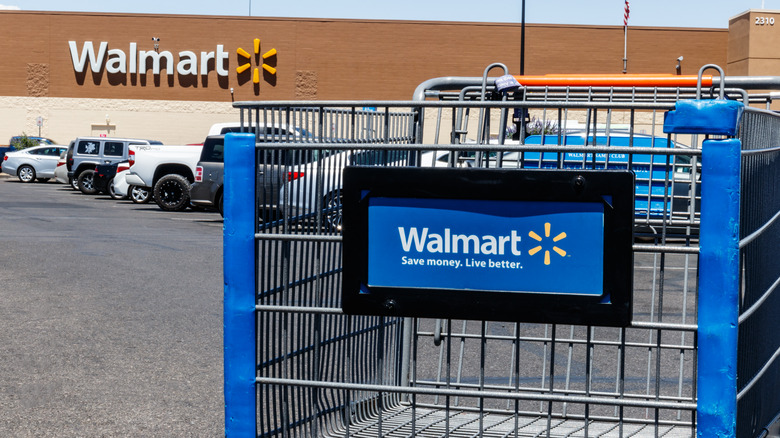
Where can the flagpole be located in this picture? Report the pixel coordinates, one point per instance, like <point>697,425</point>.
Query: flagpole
<point>522,39</point>
<point>625,48</point>
<point>625,38</point>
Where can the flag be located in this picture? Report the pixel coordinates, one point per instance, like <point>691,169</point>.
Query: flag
<point>625,15</point>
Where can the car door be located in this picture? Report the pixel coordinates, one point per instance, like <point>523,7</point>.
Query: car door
<point>46,161</point>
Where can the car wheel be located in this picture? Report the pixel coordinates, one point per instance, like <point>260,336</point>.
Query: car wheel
<point>111,192</point>
<point>332,213</point>
<point>219,206</point>
<point>74,183</point>
<point>138,195</point>
<point>87,182</point>
<point>172,192</point>
<point>26,174</point>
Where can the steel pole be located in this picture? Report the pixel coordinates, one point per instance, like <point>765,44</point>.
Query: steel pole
<point>625,48</point>
<point>522,38</point>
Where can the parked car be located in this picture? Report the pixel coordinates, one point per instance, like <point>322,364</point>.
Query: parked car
<point>119,184</point>
<point>84,153</point>
<point>37,162</point>
<point>299,195</point>
<point>3,150</point>
<point>122,189</point>
<point>61,171</point>
<point>166,171</point>
<point>206,191</point>
<point>103,180</point>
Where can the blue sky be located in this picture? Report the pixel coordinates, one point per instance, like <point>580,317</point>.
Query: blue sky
<point>674,13</point>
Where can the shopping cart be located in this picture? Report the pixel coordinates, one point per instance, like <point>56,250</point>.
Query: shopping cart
<point>698,356</point>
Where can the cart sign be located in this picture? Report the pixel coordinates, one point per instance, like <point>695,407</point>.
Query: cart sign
<point>502,246</point>
<point>519,245</point>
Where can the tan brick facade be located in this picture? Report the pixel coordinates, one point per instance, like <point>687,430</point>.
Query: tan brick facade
<point>322,59</point>
<point>307,59</point>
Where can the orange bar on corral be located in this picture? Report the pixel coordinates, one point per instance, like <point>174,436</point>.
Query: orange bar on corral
<point>597,80</point>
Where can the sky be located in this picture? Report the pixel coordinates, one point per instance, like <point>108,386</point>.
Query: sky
<point>666,13</point>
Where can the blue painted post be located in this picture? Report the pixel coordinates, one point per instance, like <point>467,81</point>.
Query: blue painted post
<point>716,383</point>
<point>239,329</point>
<point>718,289</point>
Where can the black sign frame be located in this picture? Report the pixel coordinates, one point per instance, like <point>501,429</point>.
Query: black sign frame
<point>613,308</point>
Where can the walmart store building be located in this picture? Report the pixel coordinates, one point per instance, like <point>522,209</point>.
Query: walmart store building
<point>169,77</point>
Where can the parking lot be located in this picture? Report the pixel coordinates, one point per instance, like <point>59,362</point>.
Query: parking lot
<point>111,316</point>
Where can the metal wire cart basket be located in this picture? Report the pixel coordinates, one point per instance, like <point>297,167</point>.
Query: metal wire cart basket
<point>696,354</point>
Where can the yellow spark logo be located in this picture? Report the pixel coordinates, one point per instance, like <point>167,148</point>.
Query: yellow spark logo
<point>555,239</point>
<point>256,72</point>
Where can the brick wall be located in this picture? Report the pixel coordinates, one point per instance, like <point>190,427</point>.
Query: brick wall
<point>323,59</point>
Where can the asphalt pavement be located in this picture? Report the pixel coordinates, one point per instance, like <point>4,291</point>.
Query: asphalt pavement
<point>110,317</point>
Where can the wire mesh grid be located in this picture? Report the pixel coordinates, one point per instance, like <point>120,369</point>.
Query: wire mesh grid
<point>323,373</point>
<point>759,343</point>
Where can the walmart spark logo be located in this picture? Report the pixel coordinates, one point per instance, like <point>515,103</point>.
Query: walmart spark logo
<point>256,72</point>
<point>555,239</point>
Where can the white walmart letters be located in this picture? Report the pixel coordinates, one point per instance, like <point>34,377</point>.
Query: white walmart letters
<point>453,243</point>
<point>137,61</point>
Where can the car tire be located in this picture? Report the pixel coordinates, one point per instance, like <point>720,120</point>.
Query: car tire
<point>111,192</point>
<point>172,193</point>
<point>87,182</point>
<point>73,183</point>
<point>26,174</point>
<point>332,215</point>
<point>219,206</point>
<point>138,195</point>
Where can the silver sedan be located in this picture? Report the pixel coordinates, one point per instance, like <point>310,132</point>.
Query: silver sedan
<point>37,162</point>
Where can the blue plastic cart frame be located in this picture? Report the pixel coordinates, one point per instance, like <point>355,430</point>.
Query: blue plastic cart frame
<point>718,316</point>
<point>240,274</point>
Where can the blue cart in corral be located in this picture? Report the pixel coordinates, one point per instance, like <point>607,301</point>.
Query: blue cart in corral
<point>668,187</point>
